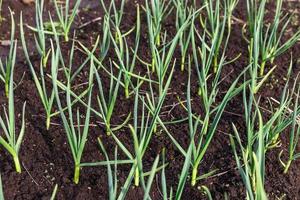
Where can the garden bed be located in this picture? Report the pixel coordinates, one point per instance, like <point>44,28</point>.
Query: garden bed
<point>45,155</point>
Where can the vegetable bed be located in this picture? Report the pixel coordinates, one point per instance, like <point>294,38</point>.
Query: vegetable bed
<point>149,99</point>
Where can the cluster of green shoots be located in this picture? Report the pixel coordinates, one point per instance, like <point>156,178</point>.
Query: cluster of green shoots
<point>202,52</point>
<point>215,26</point>
<point>40,36</point>
<point>265,42</point>
<point>7,66</point>
<point>12,140</point>
<point>75,135</point>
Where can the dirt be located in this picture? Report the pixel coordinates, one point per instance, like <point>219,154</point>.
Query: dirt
<point>45,155</point>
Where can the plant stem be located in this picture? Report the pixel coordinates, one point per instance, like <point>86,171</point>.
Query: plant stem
<point>66,37</point>
<point>126,91</point>
<point>44,61</point>
<point>182,63</point>
<point>155,128</point>
<point>6,90</point>
<point>48,122</point>
<point>199,92</point>
<point>108,131</point>
<point>262,68</point>
<point>158,40</point>
<point>153,65</point>
<point>137,177</point>
<point>194,175</point>
<point>287,166</point>
<point>76,173</point>
<point>17,163</point>
<point>215,64</point>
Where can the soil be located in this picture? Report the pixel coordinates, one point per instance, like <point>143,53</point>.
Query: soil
<point>45,155</point>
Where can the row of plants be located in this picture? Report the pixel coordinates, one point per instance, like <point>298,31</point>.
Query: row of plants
<point>202,38</point>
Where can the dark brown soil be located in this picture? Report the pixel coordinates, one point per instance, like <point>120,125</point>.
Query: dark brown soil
<point>47,160</point>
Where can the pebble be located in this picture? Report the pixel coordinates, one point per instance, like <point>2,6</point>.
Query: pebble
<point>28,1</point>
<point>5,42</point>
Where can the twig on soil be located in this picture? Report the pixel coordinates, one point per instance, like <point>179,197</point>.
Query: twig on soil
<point>29,174</point>
<point>90,22</point>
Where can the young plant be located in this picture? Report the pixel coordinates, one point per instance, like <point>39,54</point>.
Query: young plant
<point>125,62</point>
<point>65,19</point>
<point>142,132</point>
<point>182,178</point>
<point>114,16</point>
<point>40,32</point>
<point>294,129</point>
<point>162,58</point>
<point>182,15</point>
<point>112,175</point>
<point>47,98</point>
<point>157,11</point>
<point>154,20</point>
<point>265,137</point>
<point>215,26</point>
<point>210,120</point>
<point>251,165</point>
<point>269,38</point>
<point>76,137</point>
<point>254,51</point>
<point>12,141</point>
<point>8,65</point>
<point>105,43</point>
<point>107,103</point>
<point>40,83</point>
<point>281,116</point>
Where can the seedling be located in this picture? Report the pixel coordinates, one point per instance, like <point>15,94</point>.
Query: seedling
<point>76,137</point>
<point>293,121</point>
<point>107,103</point>
<point>142,133</point>
<point>105,44</point>
<point>251,165</point>
<point>201,140</point>
<point>267,41</point>
<point>8,65</point>
<point>125,62</point>
<point>40,32</point>
<point>157,11</point>
<point>182,15</point>
<point>40,83</point>
<point>65,19</point>
<point>215,26</point>
<point>12,141</point>
<point>112,175</point>
<point>114,16</point>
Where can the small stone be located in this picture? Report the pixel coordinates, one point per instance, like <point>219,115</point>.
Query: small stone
<point>5,42</point>
<point>28,2</point>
